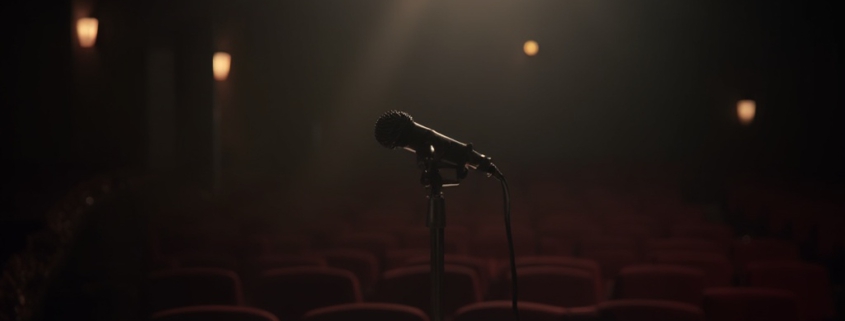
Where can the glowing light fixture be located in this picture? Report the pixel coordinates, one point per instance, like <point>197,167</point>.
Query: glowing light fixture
<point>746,109</point>
<point>86,30</point>
<point>531,47</point>
<point>221,63</point>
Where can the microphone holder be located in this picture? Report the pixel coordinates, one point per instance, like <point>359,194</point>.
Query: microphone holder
<point>436,221</point>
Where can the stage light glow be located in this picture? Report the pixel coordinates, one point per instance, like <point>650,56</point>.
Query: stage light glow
<point>746,109</point>
<point>221,64</point>
<point>86,30</point>
<point>531,47</point>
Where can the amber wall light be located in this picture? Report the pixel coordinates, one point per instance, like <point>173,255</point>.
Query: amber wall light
<point>221,63</point>
<point>86,30</point>
<point>745,110</point>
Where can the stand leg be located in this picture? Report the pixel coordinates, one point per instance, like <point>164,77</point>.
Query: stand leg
<point>436,224</point>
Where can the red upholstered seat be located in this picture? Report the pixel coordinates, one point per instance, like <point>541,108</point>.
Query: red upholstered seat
<point>284,261</point>
<point>649,310</point>
<point>493,243</point>
<point>550,245</point>
<point>502,311</point>
<point>290,292</point>
<point>809,282</point>
<point>611,261</point>
<point>376,243</point>
<point>182,287</point>
<point>412,286</point>
<point>366,312</point>
<point>558,286</point>
<point>214,313</point>
<point>682,244</point>
<point>482,267</point>
<point>455,239</point>
<point>362,263</point>
<point>721,234</point>
<point>750,304</point>
<point>559,261</point>
<point>661,282</point>
<point>751,250</point>
<point>718,270</point>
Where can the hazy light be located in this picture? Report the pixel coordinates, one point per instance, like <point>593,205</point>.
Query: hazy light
<point>746,109</point>
<point>531,47</point>
<point>221,63</point>
<point>86,30</point>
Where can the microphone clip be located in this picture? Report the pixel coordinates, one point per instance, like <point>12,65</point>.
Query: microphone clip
<point>431,165</point>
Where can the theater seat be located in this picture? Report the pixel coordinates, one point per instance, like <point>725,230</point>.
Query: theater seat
<point>660,282</point>
<point>502,311</point>
<point>718,270</point>
<point>366,312</point>
<point>809,282</point>
<point>648,310</point>
<point>751,250</point>
<point>176,288</point>
<point>362,263</point>
<point>558,286</point>
<point>214,313</point>
<point>290,292</point>
<point>750,304</point>
<point>412,286</point>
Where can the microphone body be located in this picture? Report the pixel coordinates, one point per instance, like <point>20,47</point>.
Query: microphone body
<point>397,129</point>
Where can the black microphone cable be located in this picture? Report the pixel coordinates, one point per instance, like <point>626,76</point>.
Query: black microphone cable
<point>511,256</point>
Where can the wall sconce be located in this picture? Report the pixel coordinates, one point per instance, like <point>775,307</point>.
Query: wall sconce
<point>221,64</point>
<point>531,48</point>
<point>86,30</point>
<point>746,109</point>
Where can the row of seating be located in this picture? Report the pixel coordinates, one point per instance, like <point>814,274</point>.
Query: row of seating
<point>612,252</point>
<point>558,281</point>
<point>749,304</point>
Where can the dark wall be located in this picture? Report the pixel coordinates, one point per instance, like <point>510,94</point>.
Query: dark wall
<point>70,111</point>
<point>619,83</point>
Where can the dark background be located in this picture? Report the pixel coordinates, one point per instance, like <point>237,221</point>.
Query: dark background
<point>614,83</point>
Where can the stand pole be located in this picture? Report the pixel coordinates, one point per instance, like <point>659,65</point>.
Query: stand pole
<point>436,222</point>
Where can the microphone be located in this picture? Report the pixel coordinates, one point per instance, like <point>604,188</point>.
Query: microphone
<point>396,129</point>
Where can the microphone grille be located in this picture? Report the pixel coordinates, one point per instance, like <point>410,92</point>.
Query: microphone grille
<point>391,126</point>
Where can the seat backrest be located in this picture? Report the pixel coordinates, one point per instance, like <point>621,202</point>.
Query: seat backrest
<point>550,245</point>
<point>183,287</point>
<point>809,282</point>
<point>721,234</point>
<point>376,243</point>
<point>366,311</point>
<point>559,261</point>
<point>750,304</point>
<point>214,313</point>
<point>290,292</point>
<point>718,270</point>
<point>682,244</point>
<point>502,311</point>
<point>558,286</point>
<point>455,239</point>
<point>651,310</point>
<point>751,250</point>
<point>660,282</point>
<point>362,263</point>
<point>482,267</point>
<point>493,243</point>
<point>612,261</point>
<point>285,261</point>
<point>412,286</point>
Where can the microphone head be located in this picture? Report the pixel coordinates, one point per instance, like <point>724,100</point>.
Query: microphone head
<point>391,127</point>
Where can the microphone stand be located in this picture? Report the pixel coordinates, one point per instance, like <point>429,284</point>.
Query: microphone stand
<point>436,221</point>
